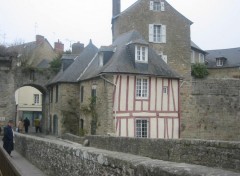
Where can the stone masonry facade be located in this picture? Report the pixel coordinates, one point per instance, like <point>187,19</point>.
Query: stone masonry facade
<point>104,111</point>
<point>214,109</point>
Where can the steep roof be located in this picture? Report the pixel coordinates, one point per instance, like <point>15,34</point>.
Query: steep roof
<point>231,56</point>
<point>122,60</point>
<point>195,47</point>
<point>138,1</point>
<point>72,73</point>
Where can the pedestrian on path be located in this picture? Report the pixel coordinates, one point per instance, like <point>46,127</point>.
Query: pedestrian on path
<point>8,137</point>
<point>37,124</point>
<point>26,124</point>
<point>20,126</point>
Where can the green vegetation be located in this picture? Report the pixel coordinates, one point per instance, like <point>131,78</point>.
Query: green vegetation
<point>56,64</point>
<point>199,70</point>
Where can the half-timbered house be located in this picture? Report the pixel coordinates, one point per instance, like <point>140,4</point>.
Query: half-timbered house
<point>137,94</point>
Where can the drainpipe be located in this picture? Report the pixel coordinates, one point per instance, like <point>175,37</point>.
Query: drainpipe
<point>115,113</point>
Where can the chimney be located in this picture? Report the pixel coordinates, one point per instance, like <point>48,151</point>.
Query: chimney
<point>116,9</point>
<point>77,48</point>
<point>58,47</point>
<point>39,39</point>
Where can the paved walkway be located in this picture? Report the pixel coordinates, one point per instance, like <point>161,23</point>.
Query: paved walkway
<point>24,165</point>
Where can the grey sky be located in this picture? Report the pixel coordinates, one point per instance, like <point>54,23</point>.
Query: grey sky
<point>216,22</point>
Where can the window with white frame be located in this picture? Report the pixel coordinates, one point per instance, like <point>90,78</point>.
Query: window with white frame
<point>157,33</point>
<point>201,58</point>
<point>193,57</point>
<point>141,53</point>
<point>142,87</point>
<point>36,98</point>
<point>157,5</point>
<point>141,128</point>
<point>165,89</point>
<point>219,62</point>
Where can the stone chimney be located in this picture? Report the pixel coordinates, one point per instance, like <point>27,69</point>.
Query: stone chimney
<point>58,47</point>
<point>77,48</point>
<point>116,7</point>
<point>39,39</point>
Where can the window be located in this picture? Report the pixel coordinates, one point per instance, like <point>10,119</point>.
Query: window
<point>157,33</point>
<point>82,91</point>
<point>193,57</point>
<point>56,93</point>
<point>165,90</point>
<point>141,87</point>
<point>141,53</point>
<point>51,94</point>
<point>141,128</point>
<point>36,98</point>
<point>201,58</point>
<point>219,62</point>
<point>157,6</point>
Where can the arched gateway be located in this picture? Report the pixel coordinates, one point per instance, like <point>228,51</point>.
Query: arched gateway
<point>14,76</point>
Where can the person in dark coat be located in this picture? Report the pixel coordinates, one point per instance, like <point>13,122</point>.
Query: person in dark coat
<point>26,123</point>
<point>8,137</point>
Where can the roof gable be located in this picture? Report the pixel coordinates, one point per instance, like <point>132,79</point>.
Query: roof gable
<point>122,60</point>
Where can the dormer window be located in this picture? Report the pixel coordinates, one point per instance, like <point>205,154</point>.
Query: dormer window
<point>219,62</point>
<point>141,53</point>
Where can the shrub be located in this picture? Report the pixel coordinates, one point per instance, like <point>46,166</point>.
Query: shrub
<point>199,70</point>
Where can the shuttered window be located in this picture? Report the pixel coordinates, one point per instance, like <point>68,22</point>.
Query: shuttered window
<point>157,33</point>
<point>157,5</point>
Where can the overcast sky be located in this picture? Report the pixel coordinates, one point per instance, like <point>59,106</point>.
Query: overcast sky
<point>216,22</point>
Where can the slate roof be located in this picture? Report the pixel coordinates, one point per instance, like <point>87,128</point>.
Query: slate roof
<point>232,56</point>
<point>72,73</point>
<point>195,47</point>
<point>122,60</point>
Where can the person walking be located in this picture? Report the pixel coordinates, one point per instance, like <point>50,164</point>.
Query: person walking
<point>37,124</point>
<point>20,126</point>
<point>26,123</point>
<point>8,137</point>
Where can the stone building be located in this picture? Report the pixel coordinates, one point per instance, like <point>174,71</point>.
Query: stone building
<point>224,63</point>
<point>197,54</point>
<point>168,32</point>
<point>133,92</point>
<point>37,53</point>
<point>64,88</point>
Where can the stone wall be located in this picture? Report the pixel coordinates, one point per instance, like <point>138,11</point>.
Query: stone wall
<point>63,158</point>
<point>104,111</point>
<point>214,110</point>
<point>221,154</point>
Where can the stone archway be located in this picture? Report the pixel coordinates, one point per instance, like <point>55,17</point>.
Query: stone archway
<point>13,78</point>
<point>31,111</point>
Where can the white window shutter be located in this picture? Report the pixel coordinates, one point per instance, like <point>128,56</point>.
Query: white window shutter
<point>151,5</point>
<point>163,33</point>
<point>164,57</point>
<point>150,32</point>
<point>162,6</point>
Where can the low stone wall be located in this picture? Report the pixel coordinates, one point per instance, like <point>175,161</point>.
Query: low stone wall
<point>221,154</point>
<point>62,158</point>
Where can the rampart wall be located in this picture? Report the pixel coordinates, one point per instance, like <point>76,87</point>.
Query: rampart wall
<point>64,158</point>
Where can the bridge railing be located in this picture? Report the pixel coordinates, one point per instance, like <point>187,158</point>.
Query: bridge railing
<point>7,168</point>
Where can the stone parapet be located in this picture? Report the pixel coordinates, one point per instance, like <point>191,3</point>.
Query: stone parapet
<point>56,157</point>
